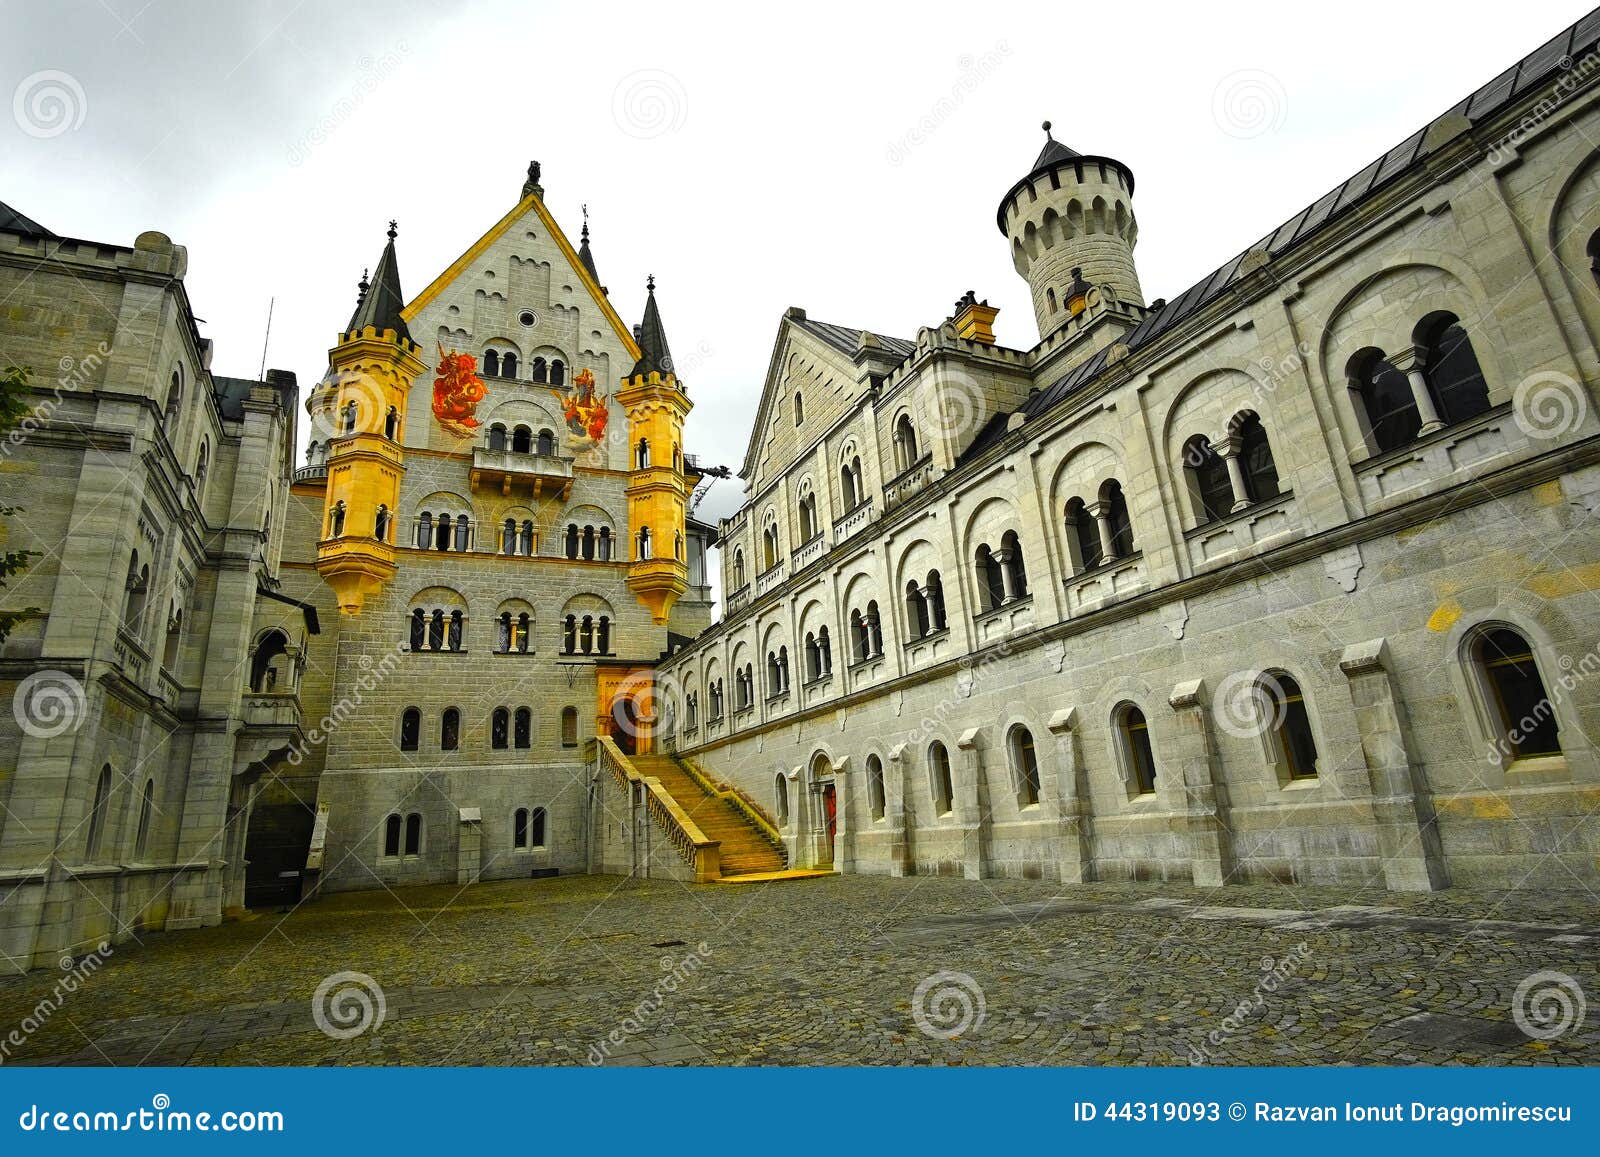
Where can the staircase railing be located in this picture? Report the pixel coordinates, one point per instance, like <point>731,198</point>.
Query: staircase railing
<point>737,800</point>
<point>702,854</point>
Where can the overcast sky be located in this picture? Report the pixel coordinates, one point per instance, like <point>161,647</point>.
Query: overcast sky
<point>848,159</point>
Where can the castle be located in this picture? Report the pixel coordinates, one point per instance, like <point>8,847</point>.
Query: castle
<point>1289,577</point>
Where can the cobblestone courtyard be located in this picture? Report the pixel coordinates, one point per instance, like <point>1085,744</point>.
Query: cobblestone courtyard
<point>828,971</point>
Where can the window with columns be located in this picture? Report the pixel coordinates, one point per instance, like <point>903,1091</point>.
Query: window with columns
<point>905,444</point>
<point>1432,383</point>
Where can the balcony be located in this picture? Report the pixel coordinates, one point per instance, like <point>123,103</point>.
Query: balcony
<point>908,484</point>
<point>853,521</point>
<point>808,553</point>
<point>271,726</point>
<point>737,599</point>
<point>771,577</point>
<point>504,470</point>
<point>317,473</point>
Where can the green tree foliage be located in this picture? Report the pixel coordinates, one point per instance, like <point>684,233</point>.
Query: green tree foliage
<point>13,407</point>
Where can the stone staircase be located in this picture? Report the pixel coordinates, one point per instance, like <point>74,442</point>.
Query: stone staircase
<point>746,850</point>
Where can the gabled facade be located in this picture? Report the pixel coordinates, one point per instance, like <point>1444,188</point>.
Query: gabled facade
<point>1252,584</point>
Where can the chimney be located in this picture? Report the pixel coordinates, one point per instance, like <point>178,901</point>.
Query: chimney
<point>975,319</point>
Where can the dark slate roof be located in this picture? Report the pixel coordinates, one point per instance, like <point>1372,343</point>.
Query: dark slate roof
<point>585,256</point>
<point>13,222</point>
<point>380,306</point>
<point>844,337</point>
<point>1537,68</point>
<point>654,356</point>
<point>1053,152</point>
<point>231,394</point>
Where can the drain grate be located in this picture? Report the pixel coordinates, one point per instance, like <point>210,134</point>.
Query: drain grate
<point>670,944</point>
<point>1441,1030</point>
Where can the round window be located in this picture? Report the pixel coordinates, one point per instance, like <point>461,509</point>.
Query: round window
<point>528,317</point>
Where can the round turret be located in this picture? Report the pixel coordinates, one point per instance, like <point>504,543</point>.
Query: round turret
<point>1070,223</point>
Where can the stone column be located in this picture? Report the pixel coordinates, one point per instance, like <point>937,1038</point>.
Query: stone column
<point>972,806</point>
<point>1410,363</point>
<point>1003,557</point>
<point>1101,513</point>
<point>1231,448</point>
<point>1205,793</point>
<point>844,852</point>
<point>1408,833</point>
<point>1068,798</point>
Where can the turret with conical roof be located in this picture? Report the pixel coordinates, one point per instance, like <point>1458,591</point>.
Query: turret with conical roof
<point>361,402</point>
<point>1070,223</point>
<point>658,494</point>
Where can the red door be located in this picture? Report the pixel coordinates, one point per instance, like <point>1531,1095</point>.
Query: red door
<point>625,724</point>
<point>830,807</point>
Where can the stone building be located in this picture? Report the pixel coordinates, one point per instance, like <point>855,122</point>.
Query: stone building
<point>155,688</point>
<point>1290,577</point>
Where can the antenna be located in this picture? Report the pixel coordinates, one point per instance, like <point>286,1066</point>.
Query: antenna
<point>266,338</point>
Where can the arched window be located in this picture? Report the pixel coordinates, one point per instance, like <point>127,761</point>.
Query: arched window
<point>508,365</point>
<point>538,371</point>
<point>572,540</point>
<point>350,412</point>
<point>98,813</point>
<point>499,729</point>
<point>605,544</point>
<point>336,523</point>
<point>1083,534</point>
<point>453,637</point>
<point>1291,726</point>
<point>940,785</point>
<point>436,630</point>
<point>450,729</point>
<point>521,440</point>
<point>1255,459</point>
<point>521,632</point>
<point>799,408</point>
<point>641,454</point>
<point>876,803</point>
<point>522,729</point>
<point>1210,489</point>
<point>508,537</point>
<point>1594,257</point>
<point>905,444</point>
<point>525,539</point>
<point>603,635</point>
<point>1521,707</point>
<point>546,443</point>
<point>813,657</point>
<point>569,727</point>
<point>270,657</point>
<point>677,545</point>
<point>849,492</point>
<point>824,652</point>
<point>203,464</point>
<point>1387,402</point>
<point>874,628</point>
<point>917,621</point>
<point>644,543</point>
<point>141,839</point>
<point>463,533</point>
<point>380,524</point>
<point>441,532</point>
<point>586,635</point>
<point>174,396</point>
<point>419,628</point>
<point>1117,518</point>
<point>739,579</point>
<point>414,834</point>
<point>1024,766</point>
<point>588,543</point>
<point>391,836</point>
<point>424,530</point>
<point>519,828</point>
<point>497,437</point>
<point>1451,368</point>
<point>991,581</point>
<point>410,729</point>
<point>558,372</point>
<point>391,424</point>
<point>1138,756</point>
<point>1011,549</point>
<point>781,792</point>
<point>569,635</point>
<point>491,363</point>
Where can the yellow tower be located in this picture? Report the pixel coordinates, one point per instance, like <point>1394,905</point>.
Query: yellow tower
<point>658,494</point>
<point>369,375</point>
